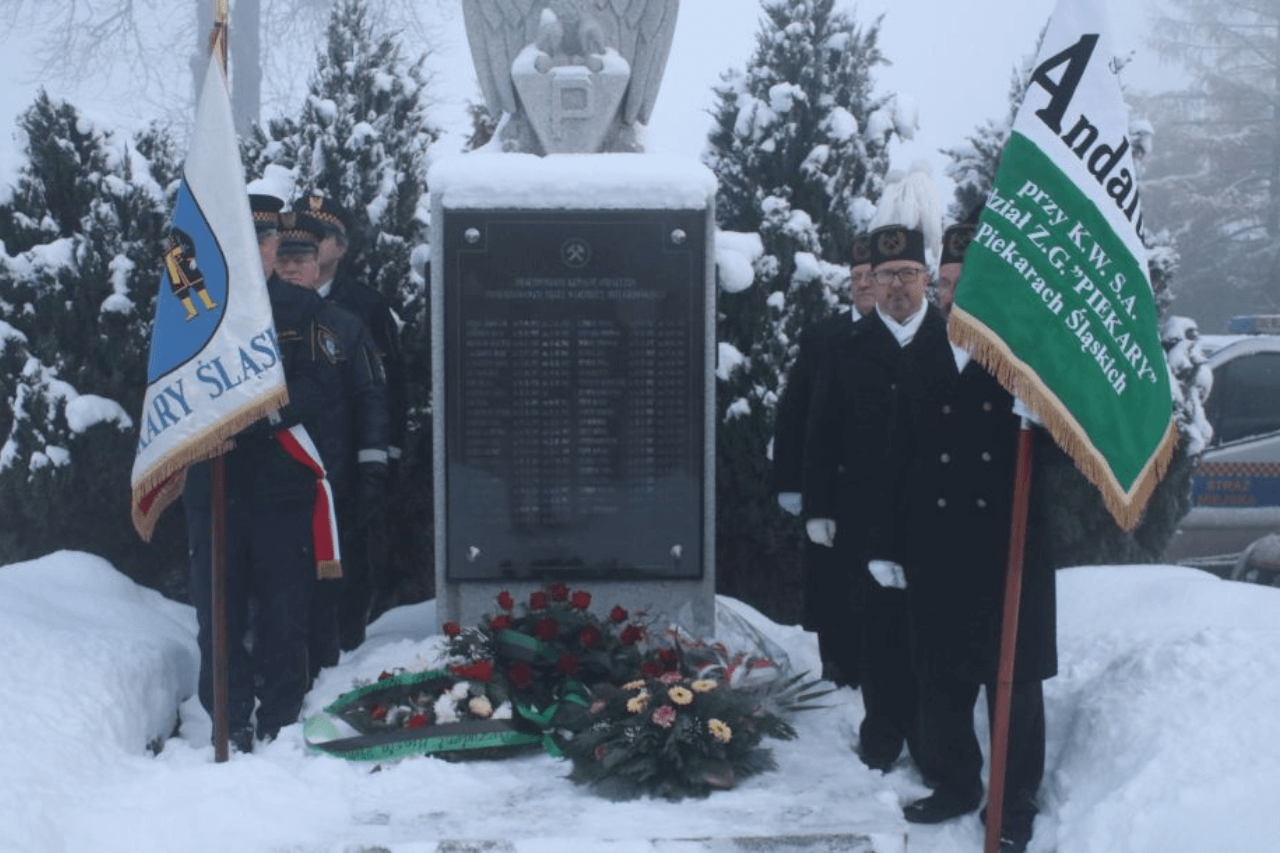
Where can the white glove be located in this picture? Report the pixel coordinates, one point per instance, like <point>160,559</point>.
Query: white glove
<point>790,501</point>
<point>822,531</point>
<point>887,574</point>
<point>1020,409</point>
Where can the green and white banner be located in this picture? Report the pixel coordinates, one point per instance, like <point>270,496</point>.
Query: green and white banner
<point>1054,297</point>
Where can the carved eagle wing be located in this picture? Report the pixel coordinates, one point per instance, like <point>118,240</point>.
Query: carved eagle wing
<point>497,30</point>
<point>641,31</point>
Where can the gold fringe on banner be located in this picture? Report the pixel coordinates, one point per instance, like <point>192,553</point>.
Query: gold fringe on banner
<point>162,484</point>
<point>989,350</point>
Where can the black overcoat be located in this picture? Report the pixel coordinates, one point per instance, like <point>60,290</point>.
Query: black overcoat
<point>846,474</point>
<point>793,407</point>
<point>954,452</point>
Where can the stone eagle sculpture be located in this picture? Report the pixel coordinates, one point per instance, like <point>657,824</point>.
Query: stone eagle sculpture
<point>572,76</point>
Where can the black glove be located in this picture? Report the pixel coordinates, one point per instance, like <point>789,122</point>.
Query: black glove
<point>372,492</point>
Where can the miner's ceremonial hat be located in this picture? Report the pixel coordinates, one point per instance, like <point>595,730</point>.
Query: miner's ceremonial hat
<point>861,249</point>
<point>907,224</point>
<point>897,243</point>
<point>956,239</point>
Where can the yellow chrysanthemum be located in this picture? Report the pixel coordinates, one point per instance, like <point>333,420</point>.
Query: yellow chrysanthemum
<point>680,695</point>
<point>634,685</point>
<point>720,730</point>
<point>637,703</point>
<point>704,685</point>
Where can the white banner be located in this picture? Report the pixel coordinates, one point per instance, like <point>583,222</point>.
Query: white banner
<point>215,363</point>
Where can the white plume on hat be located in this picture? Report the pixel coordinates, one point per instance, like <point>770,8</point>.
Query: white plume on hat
<point>911,200</point>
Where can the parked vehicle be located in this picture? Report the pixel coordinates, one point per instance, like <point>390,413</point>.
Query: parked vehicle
<point>1260,562</point>
<point>1236,485</point>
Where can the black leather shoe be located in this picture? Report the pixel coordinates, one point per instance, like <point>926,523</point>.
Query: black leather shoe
<point>939,807</point>
<point>879,755</point>
<point>1009,844</point>
<point>241,739</point>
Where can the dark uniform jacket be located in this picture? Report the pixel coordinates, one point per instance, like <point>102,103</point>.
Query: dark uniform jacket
<point>335,390</point>
<point>954,452</point>
<point>793,408</point>
<point>845,465</point>
<point>374,311</point>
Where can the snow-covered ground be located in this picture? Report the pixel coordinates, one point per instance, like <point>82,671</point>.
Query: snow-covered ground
<point>1161,739</point>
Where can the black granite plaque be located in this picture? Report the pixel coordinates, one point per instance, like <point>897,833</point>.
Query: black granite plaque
<point>574,394</point>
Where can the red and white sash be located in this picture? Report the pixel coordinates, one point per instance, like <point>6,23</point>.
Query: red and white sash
<point>324,522</point>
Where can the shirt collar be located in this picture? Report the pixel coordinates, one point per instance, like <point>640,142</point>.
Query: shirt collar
<point>904,333</point>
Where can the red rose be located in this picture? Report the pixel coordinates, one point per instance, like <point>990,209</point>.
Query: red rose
<point>417,721</point>
<point>559,592</point>
<point>546,629</point>
<point>669,659</point>
<point>501,622</point>
<point>650,669</point>
<point>618,614</point>
<point>378,712</point>
<point>631,635</point>
<point>568,663</point>
<point>538,601</point>
<point>478,671</point>
<point>452,629</point>
<point>505,601</point>
<point>581,600</point>
<point>521,674</point>
<point>590,637</point>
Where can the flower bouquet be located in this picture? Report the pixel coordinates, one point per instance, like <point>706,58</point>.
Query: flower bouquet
<point>552,650</point>
<point>671,736</point>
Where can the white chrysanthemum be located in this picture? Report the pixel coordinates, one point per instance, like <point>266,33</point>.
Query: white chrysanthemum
<point>446,709</point>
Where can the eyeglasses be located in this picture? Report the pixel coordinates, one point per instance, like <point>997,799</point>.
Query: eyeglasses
<point>906,275</point>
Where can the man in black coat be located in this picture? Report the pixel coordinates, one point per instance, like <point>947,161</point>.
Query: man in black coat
<point>364,538</point>
<point>357,464</point>
<point>827,581</point>
<point>947,527</point>
<point>846,477</point>
<point>271,498</point>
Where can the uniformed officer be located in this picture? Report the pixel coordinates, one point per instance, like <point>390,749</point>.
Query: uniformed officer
<point>271,499</point>
<point>266,223</point>
<point>954,455</point>
<point>365,538</point>
<point>827,586</point>
<point>356,452</point>
<point>845,465</point>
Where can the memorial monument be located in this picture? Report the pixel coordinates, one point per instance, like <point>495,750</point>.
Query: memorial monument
<point>573,324</point>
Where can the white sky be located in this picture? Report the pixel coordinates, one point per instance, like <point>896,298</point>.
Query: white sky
<point>1159,739</point>
<point>953,60</point>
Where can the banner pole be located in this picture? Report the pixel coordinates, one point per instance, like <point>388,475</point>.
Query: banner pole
<point>218,525</point>
<point>218,513</point>
<point>1008,640</point>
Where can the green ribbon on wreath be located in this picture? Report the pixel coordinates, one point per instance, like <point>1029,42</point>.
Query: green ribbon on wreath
<point>460,740</point>
<point>468,738</point>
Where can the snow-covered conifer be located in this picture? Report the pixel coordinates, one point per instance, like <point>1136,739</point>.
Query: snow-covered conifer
<point>800,148</point>
<point>79,274</point>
